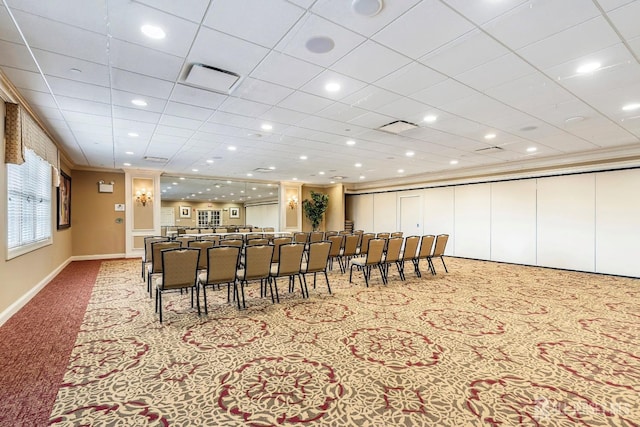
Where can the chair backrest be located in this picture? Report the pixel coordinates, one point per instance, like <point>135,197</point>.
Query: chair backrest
<point>244,230</point>
<point>316,236</point>
<point>192,231</point>
<point>147,245</point>
<point>255,242</point>
<point>213,238</point>
<point>220,230</point>
<point>203,245</point>
<point>256,229</point>
<point>426,243</point>
<point>184,241</point>
<point>375,251</point>
<point>206,230</point>
<point>364,242</point>
<point>180,267</point>
<point>410,247</point>
<point>301,237</point>
<point>361,232</point>
<point>383,235</point>
<point>328,234</point>
<point>276,247</point>
<point>233,236</point>
<point>156,255</point>
<point>351,244</point>
<point>344,232</point>
<point>318,256</point>
<point>257,262</point>
<point>397,234</point>
<point>269,229</point>
<point>222,262</point>
<point>290,259</point>
<point>254,236</point>
<point>337,242</point>
<point>232,242</point>
<point>441,243</point>
<point>394,245</point>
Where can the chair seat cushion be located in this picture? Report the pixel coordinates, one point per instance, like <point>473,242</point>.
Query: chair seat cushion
<point>202,277</point>
<point>360,261</point>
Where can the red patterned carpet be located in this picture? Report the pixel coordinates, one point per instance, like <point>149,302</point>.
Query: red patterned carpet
<point>35,345</point>
<point>487,344</point>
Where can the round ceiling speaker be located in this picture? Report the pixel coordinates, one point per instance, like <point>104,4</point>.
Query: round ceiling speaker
<point>320,44</point>
<point>366,7</point>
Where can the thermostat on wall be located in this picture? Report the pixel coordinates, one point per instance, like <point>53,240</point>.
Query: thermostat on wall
<point>119,207</point>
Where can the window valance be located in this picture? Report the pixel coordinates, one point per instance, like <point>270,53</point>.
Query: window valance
<point>22,131</point>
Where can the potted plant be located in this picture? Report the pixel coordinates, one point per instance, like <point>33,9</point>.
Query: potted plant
<point>315,208</point>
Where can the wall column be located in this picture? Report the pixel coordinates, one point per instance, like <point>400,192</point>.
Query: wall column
<point>141,220</point>
<point>290,206</point>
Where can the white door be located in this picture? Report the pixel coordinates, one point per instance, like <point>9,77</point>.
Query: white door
<point>411,215</point>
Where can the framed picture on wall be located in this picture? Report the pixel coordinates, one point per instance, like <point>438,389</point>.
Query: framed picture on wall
<point>234,212</point>
<point>185,211</point>
<point>64,201</point>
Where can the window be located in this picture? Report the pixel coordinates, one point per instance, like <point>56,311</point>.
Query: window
<point>208,218</point>
<point>28,205</point>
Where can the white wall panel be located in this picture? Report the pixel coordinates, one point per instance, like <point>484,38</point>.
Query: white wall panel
<point>473,221</point>
<point>362,212</point>
<point>618,222</point>
<point>513,221</point>
<point>566,222</point>
<point>439,214</point>
<point>385,212</point>
<point>263,215</point>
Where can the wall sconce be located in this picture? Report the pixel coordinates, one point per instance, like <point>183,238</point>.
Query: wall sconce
<point>292,202</point>
<point>143,196</point>
<point>103,187</point>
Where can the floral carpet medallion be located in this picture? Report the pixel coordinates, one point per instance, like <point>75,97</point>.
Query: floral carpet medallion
<point>487,344</point>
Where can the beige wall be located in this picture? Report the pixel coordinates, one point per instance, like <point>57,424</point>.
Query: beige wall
<point>19,275</point>
<point>97,228</point>
<point>334,216</point>
<point>193,221</point>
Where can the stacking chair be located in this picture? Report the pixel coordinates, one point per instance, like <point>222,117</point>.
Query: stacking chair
<point>220,230</point>
<point>372,259</point>
<point>364,243</point>
<point>392,256</point>
<point>383,235</point>
<point>409,252</point>
<point>231,242</point>
<point>155,268</point>
<point>251,236</point>
<point>233,236</point>
<point>244,230</point>
<point>317,262</point>
<point>396,234</point>
<point>206,230</point>
<point>184,240</point>
<point>256,230</point>
<point>222,263</point>
<point>192,231</point>
<point>426,243</point>
<point>348,251</point>
<point>203,245</point>
<point>268,229</point>
<point>257,266</point>
<point>257,241</point>
<point>146,258</point>
<point>328,234</point>
<point>276,247</point>
<point>344,232</point>
<point>212,238</point>
<point>289,266</point>
<point>316,236</point>
<point>337,242</point>
<point>301,237</point>
<point>438,252</point>
<point>179,271</point>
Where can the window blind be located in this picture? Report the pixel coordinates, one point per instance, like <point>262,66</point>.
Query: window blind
<point>28,205</point>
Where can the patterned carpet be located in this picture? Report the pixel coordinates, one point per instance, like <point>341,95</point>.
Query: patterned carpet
<point>487,344</point>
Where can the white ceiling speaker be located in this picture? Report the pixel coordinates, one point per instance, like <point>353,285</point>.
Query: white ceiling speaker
<point>212,78</point>
<point>366,7</point>
<point>320,44</point>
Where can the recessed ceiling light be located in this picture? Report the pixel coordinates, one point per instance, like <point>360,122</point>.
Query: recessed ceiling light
<point>453,162</point>
<point>409,153</point>
<point>588,67</point>
<point>490,136</point>
<point>208,189</point>
<point>164,191</point>
<point>321,173</point>
<point>531,149</point>
<point>199,192</point>
<point>228,182</point>
<point>249,174</point>
<point>303,157</point>
<point>174,183</point>
<point>126,164</point>
<point>430,118</point>
<point>153,31</point>
<point>217,185</point>
<point>129,152</point>
<point>182,178</point>
<point>168,188</point>
<point>231,148</point>
<point>358,165</point>
<point>631,107</point>
<point>332,182</point>
<point>295,179</point>
<point>232,194</point>
<point>320,44</point>
<point>272,168</point>
<point>574,119</point>
<point>366,7</point>
<point>133,134</point>
<point>242,191</point>
<point>209,161</point>
<point>139,102</point>
<point>528,128</point>
<point>253,188</point>
<point>351,142</point>
<point>400,170</point>
<point>332,87</point>
<point>194,170</point>
<point>361,176</point>
<point>266,126</point>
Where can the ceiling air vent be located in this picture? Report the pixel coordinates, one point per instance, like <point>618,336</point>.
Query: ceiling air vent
<point>489,150</point>
<point>212,78</point>
<point>397,127</point>
<point>262,170</point>
<point>156,159</point>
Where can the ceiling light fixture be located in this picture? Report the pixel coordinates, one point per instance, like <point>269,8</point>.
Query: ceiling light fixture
<point>139,102</point>
<point>321,173</point>
<point>409,154</point>
<point>231,148</point>
<point>631,107</point>
<point>209,161</point>
<point>589,67</point>
<point>153,32</point>
<point>133,134</point>
<point>126,164</point>
<point>351,142</point>
<point>453,162</point>
<point>532,150</point>
<point>194,170</point>
<point>361,176</point>
<point>366,7</point>
<point>272,168</point>
<point>303,157</point>
<point>332,87</point>
<point>320,44</point>
<point>430,118</point>
<point>266,126</point>
<point>358,165</point>
<point>490,136</point>
<point>400,170</point>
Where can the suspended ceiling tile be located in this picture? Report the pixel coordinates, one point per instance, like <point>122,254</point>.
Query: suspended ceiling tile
<point>197,97</point>
<point>371,120</point>
<point>496,72</point>
<point>283,115</point>
<point>410,79</point>
<point>625,19</point>
<point>194,12</point>
<point>26,79</point>
<point>16,56</point>
<point>359,62</point>
<point>142,60</point>
<point>260,91</point>
<point>442,93</point>
<point>140,84</point>
<point>285,70</point>
<point>481,12</point>
<point>79,90</point>
<point>188,111</point>
<point>135,114</point>
<point>305,103</point>
<point>78,13</point>
<point>122,98</point>
<point>371,98</point>
<point>341,112</point>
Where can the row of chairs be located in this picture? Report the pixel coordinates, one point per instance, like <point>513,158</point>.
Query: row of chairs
<point>247,229</point>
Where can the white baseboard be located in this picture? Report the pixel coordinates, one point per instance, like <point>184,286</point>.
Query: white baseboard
<point>95,257</point>
<point>24,299</point>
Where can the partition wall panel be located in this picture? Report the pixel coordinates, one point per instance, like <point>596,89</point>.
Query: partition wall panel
<point>438,214</point>
<point>385,212</point>
<point>263,215</point>
<point>618,222</point>
<point>472,218</point>
<point>513,221</point>
<point>566,222</point>
<point>362,212</point>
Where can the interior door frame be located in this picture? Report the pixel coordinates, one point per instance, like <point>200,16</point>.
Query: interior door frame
<point>420,198</point>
